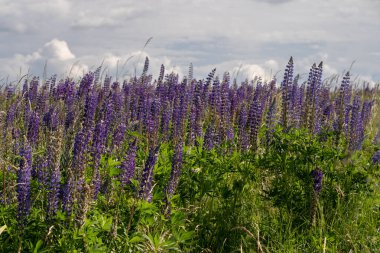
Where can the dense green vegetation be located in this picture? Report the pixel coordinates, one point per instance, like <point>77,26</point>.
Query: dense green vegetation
<point>191,166</point>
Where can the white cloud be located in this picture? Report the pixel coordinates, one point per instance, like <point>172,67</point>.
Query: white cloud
<point>57,49</point>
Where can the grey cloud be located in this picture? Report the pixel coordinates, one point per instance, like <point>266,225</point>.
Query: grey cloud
<point>274,1</point>
<point>220,33</point>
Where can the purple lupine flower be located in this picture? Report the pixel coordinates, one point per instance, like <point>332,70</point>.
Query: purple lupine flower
<point>198,113</point>
<point>308,108</point>
<point>128,165</point>
<point>342,105</point>
<point>118,135</point>
<point>174,175</point>
<point>230,135</point>
<point>317,175</point>
<point>96,183</point>
<point>89,110</point>
<point>192,125</point>
<point>88,117</point>
<point>40,170</point>
<point>70,116</point>
<point>10,91</point>
<point>366,112</point>
<point>33,127</point>
<point>23,183</point>
<point>146,66</point>
<point>85,84</point>
<point>285,89</point>
<point>153,119</point>
<point>42,98</point>
<point>107,84</point>
<point>52,81</point>
<point>146,186</point>
<point>60,90</point>
<point>315,124</point>
<point>75,178</point>
<point>26,113</point>
<point>33,89</point>
<point>98,144</point>
<point>50,119</point>
<point>214,98</point>
<point>206,86</point>
<point>53,190</point>
<point>176,119</point>
<point>16,140</point>
<point>376,157</point>
<point>225,103</point>
<point>255,116</point>
<point>242,133</point>
<point>67,193</point>
<point>165,119</point>
<point>97,75</point>
<point>78,152</point>
<point>25,88</point>
<point>354,121</point>
<point>270,121</point>
<point>9,118</point>
<point>161,76</point>
<point>208,141</point>
<point>360,132</point>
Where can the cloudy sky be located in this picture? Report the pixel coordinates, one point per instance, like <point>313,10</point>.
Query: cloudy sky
<point>256,37</point>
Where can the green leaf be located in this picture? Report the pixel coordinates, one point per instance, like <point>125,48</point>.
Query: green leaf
<point>38,246</point>
<point>114,171</point>
<point>136,239</point>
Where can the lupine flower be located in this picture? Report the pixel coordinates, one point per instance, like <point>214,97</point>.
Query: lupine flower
<point>174,175</point>
<point>50,119</point>
<point>107,84</point>
<point>128,165</point>
<point>317,175</point>
<point>85,84</point>
<point>54,182</point>
<point>285,86</point>
<point>118,135</point>
<point>9,118</point>
<point>165,119</point>
<point>23,183</point>
<point>146,66</point>
<point>33,89</point>
<point>376,157</point>
<point>10,91</point>
<point>242,125</point>
<point>208,141</point>
<point>146,186</point>
<point>366,112</point>
<point>153,119</point>
<point>270,120</point>
<point>255,116</point>
<point>89,110</point>
<point>70,116</point>
<point>33,127</point>
<point>75,178</point>
<point>98,144</point>
<point>192,125</point>
<point>25,88</point>
<point>359,132</point>
<point>161,76</point>
<point>354,121</point>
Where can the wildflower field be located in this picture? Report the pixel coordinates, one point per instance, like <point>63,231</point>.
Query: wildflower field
<point>159,164</point>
